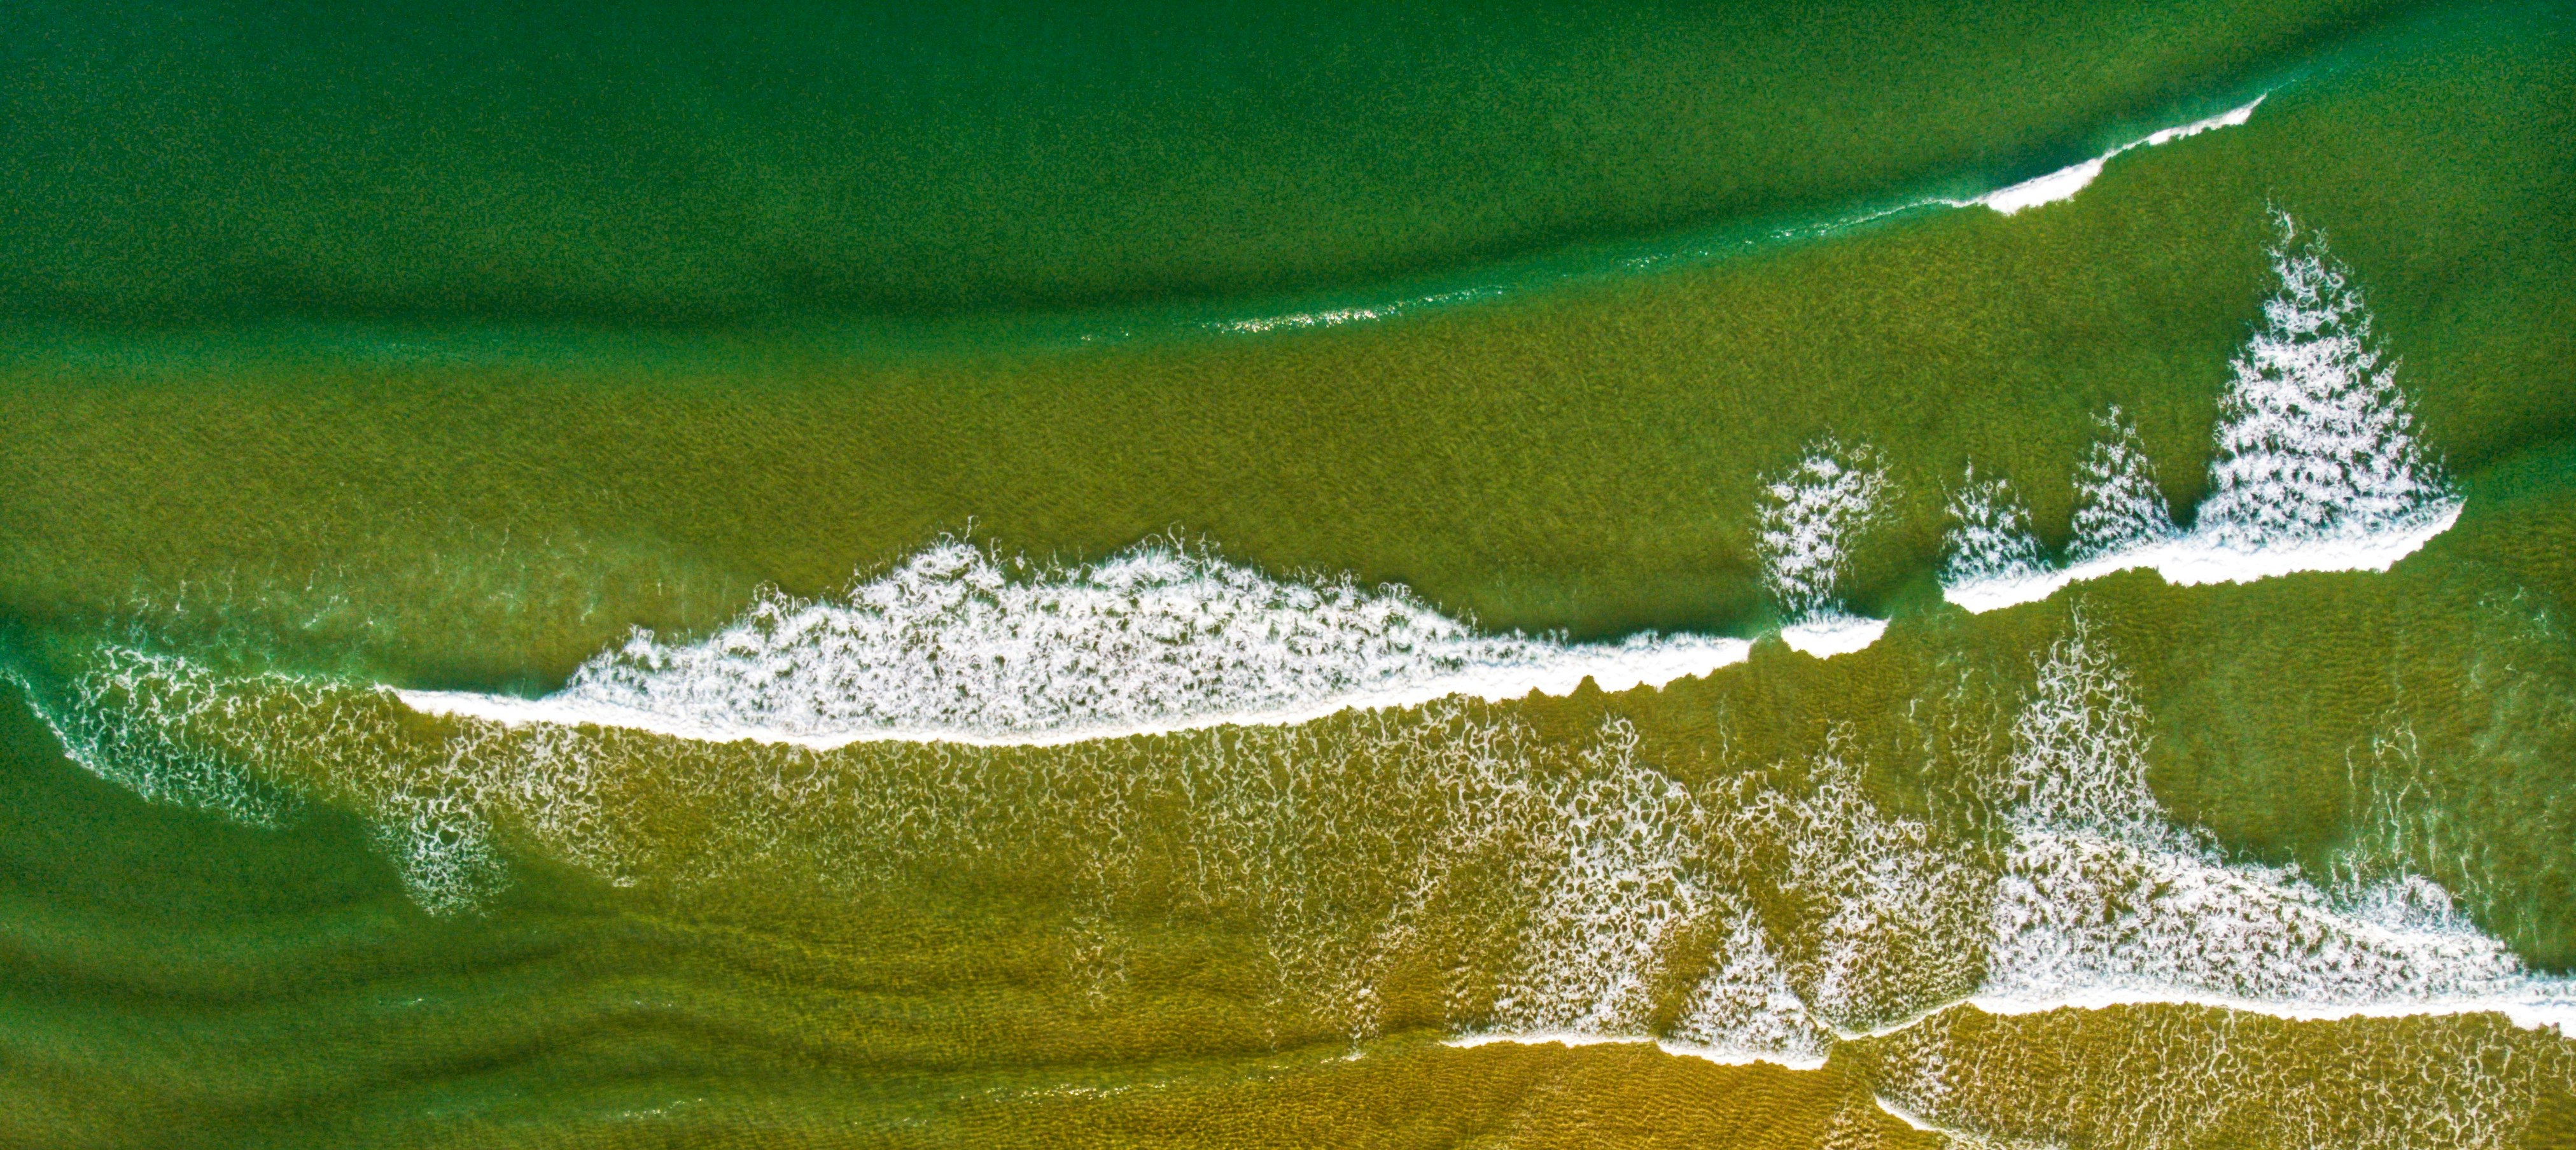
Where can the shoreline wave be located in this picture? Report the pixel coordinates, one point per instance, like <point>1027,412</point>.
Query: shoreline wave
<point>951,647</point>
<point>1612,667</point>
<point>2196,562</point>
<point>2316,467</point>
<point>1722,1056</point>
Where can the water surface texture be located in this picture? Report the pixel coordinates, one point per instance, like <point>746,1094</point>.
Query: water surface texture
<point>1425,575</point>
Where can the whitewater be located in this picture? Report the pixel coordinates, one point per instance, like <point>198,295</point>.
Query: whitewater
<point>2096,897</point>
<point>2062,184</point>
<point>950,647</point>
<point>2316,468</point>
<point>2100,901</point>
<point>963,705</point>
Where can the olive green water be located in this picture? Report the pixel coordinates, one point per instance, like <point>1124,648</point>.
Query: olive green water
<point>351,350</point>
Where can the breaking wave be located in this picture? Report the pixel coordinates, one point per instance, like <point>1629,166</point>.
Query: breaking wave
<point>2119,507</point>
<point>2178,1077</point>
<point>2317,465</point>
<point>2104,900</point>
<point>2317,469</point>
<point>1684,250</point>
<point>1992,551</point>
<point>2063,183</point>
<point>2101,918</point>
<point>951,646</point>
<point>1806,521</point>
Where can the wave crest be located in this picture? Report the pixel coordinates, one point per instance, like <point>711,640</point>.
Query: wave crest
<point>952,646</point>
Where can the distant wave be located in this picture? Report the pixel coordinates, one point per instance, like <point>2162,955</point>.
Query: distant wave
<point>2063,183</point>
<point>950,646</point>
<point>1497,283</point>
<point>2317,467</point>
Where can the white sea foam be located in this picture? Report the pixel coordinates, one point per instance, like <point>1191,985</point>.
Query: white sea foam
<point>1956,1135</point>
<point>1622,885</point>
<point>2189,562</point>
<point>1806,522</point>
<point>2053,187</point>
<point>2098,900</point>
<point>1541,1038</point>
<point>2063,183</point>
<point>1586,875</point>
<point>2104,901</point>
<point>1892,914</point>
<point>125,720</point>
<point>1889,925</point>
<point>2178,1079</point>
<point>1624,880</point>
<point>1825,636</point>
<point>2119,506</point>
<point>1721,1055</point>
<point>2317,467</point>
<point>1992,555</point>
<point>1876,921</point>
<point>176,731</point>
<point>950,647</point>
<point>2315,439</point>
<point>1336,317</point>
<point>1744,1009</point>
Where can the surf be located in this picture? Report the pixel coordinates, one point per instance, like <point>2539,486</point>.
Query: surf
<point>2316,467</point>
<point>953,645</point>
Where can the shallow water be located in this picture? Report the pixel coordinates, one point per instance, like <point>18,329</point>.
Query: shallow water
<point>1394,578</point>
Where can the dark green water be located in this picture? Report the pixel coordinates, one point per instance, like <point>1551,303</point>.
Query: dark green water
<point>353,350</point>
<point>662,163</point>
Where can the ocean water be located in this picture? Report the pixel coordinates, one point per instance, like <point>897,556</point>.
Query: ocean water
<point>1855,576</point>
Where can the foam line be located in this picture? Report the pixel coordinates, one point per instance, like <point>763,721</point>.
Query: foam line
<point>2050,188</point>
<point>2105,901</point>
<point>1159,639</point>
<point>2317,467</point>
<point>1836,635</point>
<point>2097,899</point>
<point>1612,668</point>
<point>2195,561</point>
<point>1926,1125</point>
<point>1336,317</point>
<point>2548,1006</point>
<point>1569,1038</point>
<point>2063,183</point>
<point>2539,1010</point>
